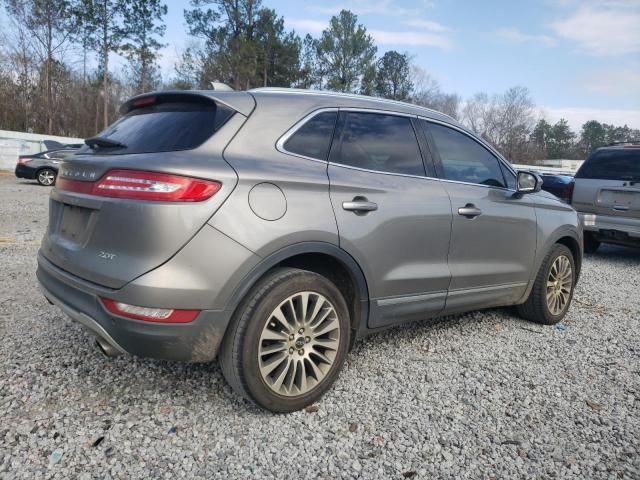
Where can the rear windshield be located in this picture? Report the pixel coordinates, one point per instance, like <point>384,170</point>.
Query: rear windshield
<point>164,127</point>
<point>612,164</point>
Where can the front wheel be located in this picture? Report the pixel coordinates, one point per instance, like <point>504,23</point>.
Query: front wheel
<point>552,291</point>
<point>46,177</point>
<point>288,340</point>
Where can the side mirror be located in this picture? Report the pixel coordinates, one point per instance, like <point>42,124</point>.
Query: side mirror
<point>529,182</point>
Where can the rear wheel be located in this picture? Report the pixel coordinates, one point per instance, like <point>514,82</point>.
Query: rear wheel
<point>552,291</point>
<point>46,177</point>
<point>591,243</point>
<point>288,340</point>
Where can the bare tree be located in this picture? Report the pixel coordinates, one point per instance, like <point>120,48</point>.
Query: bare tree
<point>102,19</point>
<point>51,25</point>
<point>502,119</point>
<point>428,93</point>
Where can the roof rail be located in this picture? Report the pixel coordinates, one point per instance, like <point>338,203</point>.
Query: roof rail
<point>301,91</point>
<point>624,142</point>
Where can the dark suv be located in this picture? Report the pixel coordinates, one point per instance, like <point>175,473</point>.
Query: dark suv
<point>272,228</point>
<point>607,196</point>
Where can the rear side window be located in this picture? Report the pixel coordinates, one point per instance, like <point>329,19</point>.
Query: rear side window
<point>612,164</point>
<point>313,139</point>
<point>164,127</point>
<point>465,160</point>
<point>62,154</point>
<point>385,143</point>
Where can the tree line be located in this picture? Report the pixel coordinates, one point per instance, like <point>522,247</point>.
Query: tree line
<point>56,76</point>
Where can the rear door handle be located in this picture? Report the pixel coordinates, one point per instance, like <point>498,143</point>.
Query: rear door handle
<point>469,211</point>
<point>359,205</point>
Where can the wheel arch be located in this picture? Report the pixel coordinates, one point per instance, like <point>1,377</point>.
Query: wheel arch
<point>47,167</point>
<point>573,244</point>
<point>325,259</point>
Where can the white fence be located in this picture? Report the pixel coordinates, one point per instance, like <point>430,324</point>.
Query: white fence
<point>542,169</point>
<point>14,144</point>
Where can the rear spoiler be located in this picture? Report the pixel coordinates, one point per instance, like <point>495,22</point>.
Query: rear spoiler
<point>241,102</point>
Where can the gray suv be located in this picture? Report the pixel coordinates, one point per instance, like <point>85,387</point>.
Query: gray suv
<point>273,228</point>
<point>607,196</point>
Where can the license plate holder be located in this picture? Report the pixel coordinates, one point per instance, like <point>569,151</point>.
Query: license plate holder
<point>74,222</point>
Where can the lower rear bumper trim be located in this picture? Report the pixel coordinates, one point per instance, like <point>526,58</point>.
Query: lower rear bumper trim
<point>85,320</point>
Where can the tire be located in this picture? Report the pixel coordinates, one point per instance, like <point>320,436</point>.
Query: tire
<point>46,177</point>
<point>245,354</point>
<point>591,243</point>
<point>537,307</point>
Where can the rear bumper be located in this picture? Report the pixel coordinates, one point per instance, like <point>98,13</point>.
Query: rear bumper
<point>197,341</point>
<point>612,228</point>
<point>24,171</point>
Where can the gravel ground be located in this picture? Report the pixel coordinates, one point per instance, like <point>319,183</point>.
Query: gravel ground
<point>483,395</point>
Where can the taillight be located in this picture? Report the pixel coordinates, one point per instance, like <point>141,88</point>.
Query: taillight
<point>149,314</point>
<point>24,160</point>
<point>141,185</point>
<point>568,191</point>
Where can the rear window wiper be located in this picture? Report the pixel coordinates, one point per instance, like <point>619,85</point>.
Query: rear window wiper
<point>103,142</point>
<point>632,179</point>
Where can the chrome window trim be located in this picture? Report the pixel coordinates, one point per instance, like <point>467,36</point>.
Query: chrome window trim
<point>482,143</point>
<point>380,172</point>
<point>477,185</point>
<point>283,139</point>
<point>296,126</point>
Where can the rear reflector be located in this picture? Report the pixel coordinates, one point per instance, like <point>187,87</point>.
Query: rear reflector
<point>141,185</point>
<point>149,314</point>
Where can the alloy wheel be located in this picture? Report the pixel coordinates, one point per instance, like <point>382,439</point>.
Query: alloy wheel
<point>299,344</point>
<point>559,283</point>
<point>46,177</point>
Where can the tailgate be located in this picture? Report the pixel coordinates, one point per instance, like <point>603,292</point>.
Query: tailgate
<point>111,241</point>
<point>607,197</point>
<point>623,202</point>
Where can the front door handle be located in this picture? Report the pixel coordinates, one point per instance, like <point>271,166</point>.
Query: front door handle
<point>469,211</point>
<point>359,205</point>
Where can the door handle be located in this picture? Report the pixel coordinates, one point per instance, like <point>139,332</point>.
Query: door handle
<point>469,211</point>
<point>359,205</point>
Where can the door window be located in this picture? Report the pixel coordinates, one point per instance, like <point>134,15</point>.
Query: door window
<point>465,160</point>
<point>385,143</point>
<point>62,154</point>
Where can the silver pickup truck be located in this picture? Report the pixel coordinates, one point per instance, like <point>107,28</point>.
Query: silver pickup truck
<point>607,196</point>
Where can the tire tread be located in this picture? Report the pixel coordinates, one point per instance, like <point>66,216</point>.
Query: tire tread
<point>230,360</point>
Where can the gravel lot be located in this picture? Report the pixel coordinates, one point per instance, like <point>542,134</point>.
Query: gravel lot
<point>484,395</point>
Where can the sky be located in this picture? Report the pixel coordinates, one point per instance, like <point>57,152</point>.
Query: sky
<point>579,58</point>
